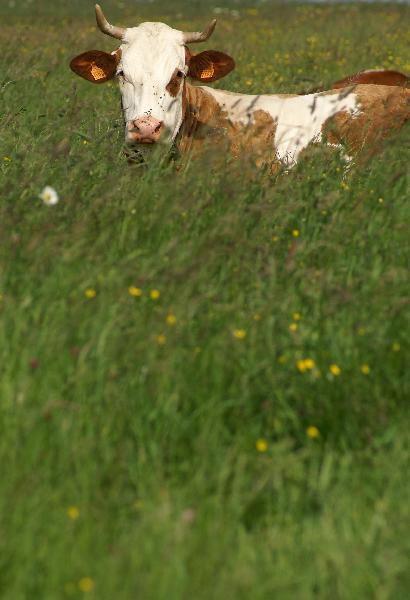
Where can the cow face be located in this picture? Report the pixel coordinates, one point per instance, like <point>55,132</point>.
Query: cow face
<point>151,65</point>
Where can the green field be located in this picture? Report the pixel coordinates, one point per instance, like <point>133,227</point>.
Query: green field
<point>203,388</point>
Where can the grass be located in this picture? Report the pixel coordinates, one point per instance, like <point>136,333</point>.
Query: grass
<point>149,456</point>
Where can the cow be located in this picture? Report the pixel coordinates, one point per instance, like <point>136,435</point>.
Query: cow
<point>161,108</point>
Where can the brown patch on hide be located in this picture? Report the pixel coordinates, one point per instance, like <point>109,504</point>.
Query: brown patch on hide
<point>175,82</point>
<point>256,138</point>
<point>206,125</point>
<point>383,110</point>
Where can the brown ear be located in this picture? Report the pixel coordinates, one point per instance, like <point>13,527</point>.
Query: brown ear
<point>96,66</point>
<point>210,65</point>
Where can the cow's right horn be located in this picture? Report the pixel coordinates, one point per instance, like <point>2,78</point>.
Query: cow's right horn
<point>105,27</point>
<point>192,37</point>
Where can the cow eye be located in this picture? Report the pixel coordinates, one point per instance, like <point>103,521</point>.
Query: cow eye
<point>180,74</point>
<point>120,73</point>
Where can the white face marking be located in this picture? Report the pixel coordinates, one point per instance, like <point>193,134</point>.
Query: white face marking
<point>151,53</point>
<point>299,119</point>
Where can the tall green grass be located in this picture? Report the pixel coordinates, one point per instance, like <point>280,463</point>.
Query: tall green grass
<point>159,446</point>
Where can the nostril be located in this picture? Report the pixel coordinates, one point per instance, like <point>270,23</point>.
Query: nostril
<point>158,127</point>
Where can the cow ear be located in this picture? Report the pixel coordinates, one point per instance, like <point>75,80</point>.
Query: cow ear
<point>96,66</point>
<point>210,65</point>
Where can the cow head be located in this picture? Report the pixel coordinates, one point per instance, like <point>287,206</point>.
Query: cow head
<point>151,65</point>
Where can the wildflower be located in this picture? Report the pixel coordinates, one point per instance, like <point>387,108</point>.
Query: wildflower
<point>282,359</point>
<point>154,294</point>
<point>73,513</point>
<point>305,364</point>
<point>161,339</point>
<point>90,293</point>
<point>239,334</point>
<point>396,347</point>
<point>361,331</point>
<point>365,369</point>
<point>300,364</point>
<point>295,233</point>
<point>86,584</point>
<point>312,432</point>
<point>335,370</point>
<point>293,326</point>
<point>261,445</point>
<point>6,158</point>
<point>275,238</point>
<point>49,196</point>
<point>296,316</point>
<point>256,317</point>
<point>134,291</point>
<point>171,319</point>
<point>381,200</point>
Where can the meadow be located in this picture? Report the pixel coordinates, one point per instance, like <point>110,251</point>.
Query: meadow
<point>203,388</point>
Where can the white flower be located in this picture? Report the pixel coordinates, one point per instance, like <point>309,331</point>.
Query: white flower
<point>49,196</point>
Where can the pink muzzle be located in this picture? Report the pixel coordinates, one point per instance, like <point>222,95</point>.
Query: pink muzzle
<point>144,130</point>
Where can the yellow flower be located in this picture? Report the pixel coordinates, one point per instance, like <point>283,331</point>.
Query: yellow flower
<point>275,238</point>
<point>256,317</point>
<point>335,370</point>
<point>73,512</point>
<point>261,445</point>
<point>239,334</point>
<point>381,200</point>
<point>296,316</point>
<point>293,326</point>
<point>361,331</point>
<point>161,339</point>
<point>6,158</point>
<point>282,359</point>
<point>300,365</point>
<point>86,584</point>
<point>171,319</point>
<point>90,293</point>
<point>396,347</point>
<point>154,294</point>
<point>365,369</point>
<point>305,364</point>
<point>134,291</point>
<point>295,232</point>
<point>312,432</point>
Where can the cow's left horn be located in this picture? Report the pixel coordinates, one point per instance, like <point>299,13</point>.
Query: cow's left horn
<point>112,30</point>
<point>190,37</point>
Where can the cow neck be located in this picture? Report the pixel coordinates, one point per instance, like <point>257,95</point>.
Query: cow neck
<point>201,114</point>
